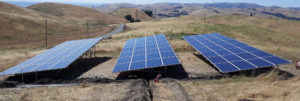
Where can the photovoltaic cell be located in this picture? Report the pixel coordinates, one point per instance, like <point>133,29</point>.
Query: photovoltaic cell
<point>229,55</point>
<point>146,52</point>
<point>58,57</point>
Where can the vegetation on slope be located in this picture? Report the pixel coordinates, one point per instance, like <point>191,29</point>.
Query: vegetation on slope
<point>277,41</point>
<point>24,28</point>
<point>135,13</point>
<point>269,86</point>
<point>75,13</point>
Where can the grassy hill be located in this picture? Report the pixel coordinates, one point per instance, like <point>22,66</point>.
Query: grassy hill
<point>163,10</point>
<point>75,13</point>
<point>135,13</point>
<point>22,27</point>
<point>273,35</point>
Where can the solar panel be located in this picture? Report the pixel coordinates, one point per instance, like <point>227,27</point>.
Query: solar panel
<point>229,55</point>
<point>58,57</point>
<point>146,52</point>
<point>120,29</point>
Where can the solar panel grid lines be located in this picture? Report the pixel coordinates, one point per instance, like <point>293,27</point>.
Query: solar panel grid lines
<point>58,57</point>
<point>132,54</point>
<point>248,51</point>
<point>34,60</point>
<point>148,52</point>
<point>217,54</point>
<point>64,58</point>
<point>45,62</point>
<point>159,51</point>
<point>226,54</point>
<point>253,65</point>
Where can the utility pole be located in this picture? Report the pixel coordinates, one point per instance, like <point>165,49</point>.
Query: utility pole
<point>136,14</point>
<point>204,15</point>
<point>87,29</point>
<point>46,33</point>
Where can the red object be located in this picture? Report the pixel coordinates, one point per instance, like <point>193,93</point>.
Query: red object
<point>157,78</point>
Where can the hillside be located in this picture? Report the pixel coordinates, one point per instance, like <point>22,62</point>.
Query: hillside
<point>9,9</point>
<point>75,13</point>
<point>163,10</point>
<point>135,13</point>
<point>22,27</point>
<point>203,82</point>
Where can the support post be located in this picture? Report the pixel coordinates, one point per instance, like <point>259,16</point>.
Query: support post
<point>95,51</point>
<point>22,76</point>
<point>3,74</point>
<point>91,52</point>
<point>36,76</point>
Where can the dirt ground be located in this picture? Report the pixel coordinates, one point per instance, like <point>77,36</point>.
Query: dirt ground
<point>85,92</point>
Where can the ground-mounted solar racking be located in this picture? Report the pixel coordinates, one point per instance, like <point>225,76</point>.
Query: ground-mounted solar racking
<point>58,57</point>
<point>146,52</point>
<point>230,55</point>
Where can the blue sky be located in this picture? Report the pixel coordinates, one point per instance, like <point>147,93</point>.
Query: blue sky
<point>281,3</point>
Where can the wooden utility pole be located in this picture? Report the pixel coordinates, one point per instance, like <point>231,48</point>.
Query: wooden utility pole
<point>136,14</point>
<point>46,32</point>
<point>87,29</point>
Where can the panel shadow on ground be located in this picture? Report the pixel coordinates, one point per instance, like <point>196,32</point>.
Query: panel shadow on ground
<point>175,71</point>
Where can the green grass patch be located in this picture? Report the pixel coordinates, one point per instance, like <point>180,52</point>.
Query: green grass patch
<point>6,37</point>
<point>175,36</point>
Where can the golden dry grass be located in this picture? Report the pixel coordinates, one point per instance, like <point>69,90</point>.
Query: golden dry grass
<point>85,92</point>
<point>25,28</point>
<point>266,87</point>
<point>76,13</point>
<point>121,13</point>
<point>268,39</point>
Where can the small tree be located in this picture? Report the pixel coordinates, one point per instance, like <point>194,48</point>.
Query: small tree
<point>129,18</point>
<point>149,12</point>
<point>137,20</point>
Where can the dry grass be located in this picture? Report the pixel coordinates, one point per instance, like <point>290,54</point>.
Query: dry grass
<point>76,13</point>
<point>24,28</point>
<point>286,27</point>
<point>11,58</point>
<point>266,87</point>
<point>85,92</point>
<point>268,39</point>
<point>121,13</point>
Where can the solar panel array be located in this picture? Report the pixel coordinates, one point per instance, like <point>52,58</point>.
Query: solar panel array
<point>120,29</point>
<point>58,57</point>
<point>146,52</point>
<point>229,55</point>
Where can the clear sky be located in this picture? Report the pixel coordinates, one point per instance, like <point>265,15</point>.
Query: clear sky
<point>281,3</point>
